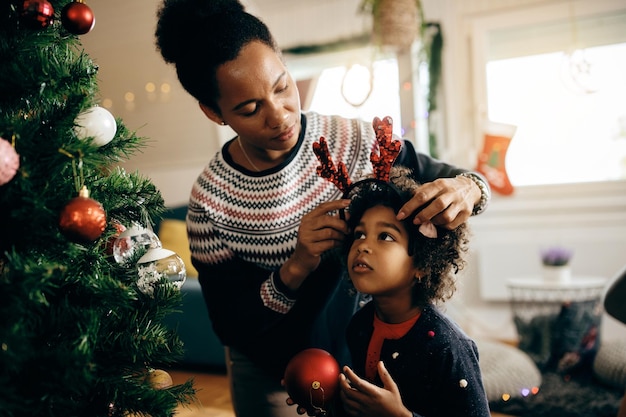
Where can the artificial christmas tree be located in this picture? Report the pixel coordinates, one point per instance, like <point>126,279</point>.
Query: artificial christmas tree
<point>78,337</point>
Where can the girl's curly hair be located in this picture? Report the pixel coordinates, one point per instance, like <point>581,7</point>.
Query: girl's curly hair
<point>439,258</point>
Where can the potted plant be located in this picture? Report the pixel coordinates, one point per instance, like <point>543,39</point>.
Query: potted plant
<point>555,261</point>
<point>396,23</point>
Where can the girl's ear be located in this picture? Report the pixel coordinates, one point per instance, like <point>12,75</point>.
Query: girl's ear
<point>211,114</point>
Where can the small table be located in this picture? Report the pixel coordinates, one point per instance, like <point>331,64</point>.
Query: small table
<point>556,318</point>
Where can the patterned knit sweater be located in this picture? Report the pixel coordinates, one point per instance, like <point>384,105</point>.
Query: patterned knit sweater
<point>243,226</point>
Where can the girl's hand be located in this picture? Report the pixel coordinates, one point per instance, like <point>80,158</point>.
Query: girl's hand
<point>320,230</point>
<point>447,202</point>
<point>361,398</point>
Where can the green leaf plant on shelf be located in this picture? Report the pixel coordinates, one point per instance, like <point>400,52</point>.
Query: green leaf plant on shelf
<point>555,262</point>
<point>79,335</point>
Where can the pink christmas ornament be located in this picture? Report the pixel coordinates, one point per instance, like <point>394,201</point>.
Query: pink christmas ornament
<point>9,162</point>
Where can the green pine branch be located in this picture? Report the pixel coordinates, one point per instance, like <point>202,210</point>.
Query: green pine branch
<point>77,336</point>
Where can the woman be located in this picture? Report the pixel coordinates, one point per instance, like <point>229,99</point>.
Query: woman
<point>258,222</point>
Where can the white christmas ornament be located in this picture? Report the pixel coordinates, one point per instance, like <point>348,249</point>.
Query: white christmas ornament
<point>96,122</point>
<point>131,240</point>
<point>159,263</point>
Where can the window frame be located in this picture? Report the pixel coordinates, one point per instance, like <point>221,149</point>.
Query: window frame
<point>481,25</point>
<point>589,217</point>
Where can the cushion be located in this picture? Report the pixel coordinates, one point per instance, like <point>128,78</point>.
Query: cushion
<point>173,236</point>
<point>507,371</point>
<point>614,301</point>
<point>609,365</point>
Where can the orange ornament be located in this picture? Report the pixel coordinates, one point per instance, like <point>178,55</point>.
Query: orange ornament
<point>83,219</point>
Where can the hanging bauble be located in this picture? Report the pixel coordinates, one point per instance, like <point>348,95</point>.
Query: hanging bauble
<point>9,161</point>
<point>83,219</point>
<point>77,18</point>
<point>136,238</point>
<point>312,379</point>
<point>157,264</point>
<point>119,229</point>
<point>97,123</point>
<point>159,379</point>
<point>37,14</point>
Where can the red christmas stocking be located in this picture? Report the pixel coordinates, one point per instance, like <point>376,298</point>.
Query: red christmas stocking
<point>491,160</point>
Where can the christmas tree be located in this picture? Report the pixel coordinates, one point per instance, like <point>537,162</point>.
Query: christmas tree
<point>84,283</point>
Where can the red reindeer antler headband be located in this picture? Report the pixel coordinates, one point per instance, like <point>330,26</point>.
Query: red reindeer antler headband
<point>382,157</point>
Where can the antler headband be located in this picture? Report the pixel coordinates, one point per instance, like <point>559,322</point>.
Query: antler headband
<point>382,157</point>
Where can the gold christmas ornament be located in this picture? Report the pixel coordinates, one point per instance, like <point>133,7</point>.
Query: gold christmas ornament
<point>159,379</point>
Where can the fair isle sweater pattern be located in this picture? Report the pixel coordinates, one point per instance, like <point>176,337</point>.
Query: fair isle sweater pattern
<point>236,214</point>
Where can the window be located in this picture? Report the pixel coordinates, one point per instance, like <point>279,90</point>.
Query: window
<point>559,77</point>
<point>358,83</point>
<point>340,90</point>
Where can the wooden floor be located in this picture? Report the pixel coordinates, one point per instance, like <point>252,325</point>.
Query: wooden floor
<point>213,395</point>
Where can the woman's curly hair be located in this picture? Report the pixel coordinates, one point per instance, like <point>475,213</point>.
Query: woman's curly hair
<point>439,258</point>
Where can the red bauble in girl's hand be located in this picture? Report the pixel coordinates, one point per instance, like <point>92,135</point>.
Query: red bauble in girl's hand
<point>77,18</point>
<point>312,379</point>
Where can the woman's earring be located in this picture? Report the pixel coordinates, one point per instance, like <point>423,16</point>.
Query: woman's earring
<point>223,123</point>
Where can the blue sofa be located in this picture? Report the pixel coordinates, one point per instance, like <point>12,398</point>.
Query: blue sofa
<point>202,348</point>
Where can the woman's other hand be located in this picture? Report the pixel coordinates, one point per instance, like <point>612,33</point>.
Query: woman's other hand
<point>446,202</point>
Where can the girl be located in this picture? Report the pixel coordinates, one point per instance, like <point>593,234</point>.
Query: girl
<point>409,359</point>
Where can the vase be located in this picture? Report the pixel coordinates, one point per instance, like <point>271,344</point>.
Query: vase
<point>557,273</point>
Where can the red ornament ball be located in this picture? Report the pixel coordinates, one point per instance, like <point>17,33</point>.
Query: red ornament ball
<point>119,229</point>
<point>77,18</point>
<point>312,379</point>
<point>37,13</point>
<point>83,219</point>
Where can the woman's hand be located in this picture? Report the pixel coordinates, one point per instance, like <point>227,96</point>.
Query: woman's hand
<point>320,230</point>
<point>361,398</point>
<point>447,202</point>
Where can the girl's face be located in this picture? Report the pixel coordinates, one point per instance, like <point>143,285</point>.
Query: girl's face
<point>260,100</point>
<point>378,261</point>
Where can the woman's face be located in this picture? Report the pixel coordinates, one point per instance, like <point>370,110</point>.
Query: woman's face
<point>259,99</point>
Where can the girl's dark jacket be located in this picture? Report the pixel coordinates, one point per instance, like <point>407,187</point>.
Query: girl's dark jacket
<point>435,365</point>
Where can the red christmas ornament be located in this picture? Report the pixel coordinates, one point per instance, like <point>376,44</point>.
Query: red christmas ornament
<point>77,18</point>
<point>312,379</point>
<point>119,229</point>
<point>37,13</point>
<point>83,219</point>
<point>9,162</point>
